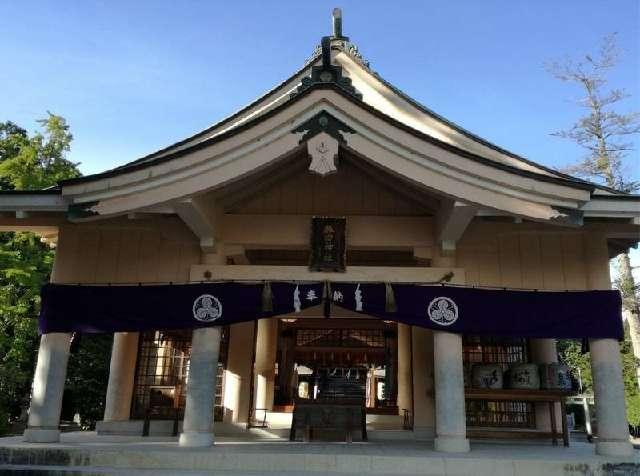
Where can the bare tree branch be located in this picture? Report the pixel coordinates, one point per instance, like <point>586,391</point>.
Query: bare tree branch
<point>601,130</point>
<point>604,133</point>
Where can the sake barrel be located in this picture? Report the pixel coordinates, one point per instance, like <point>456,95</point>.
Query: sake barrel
<point>487,376</point>
<point>524,376</point>
<point>555,377</point>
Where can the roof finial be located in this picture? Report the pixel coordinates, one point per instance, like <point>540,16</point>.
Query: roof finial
<point>337,22</point>
<point>326,52</point>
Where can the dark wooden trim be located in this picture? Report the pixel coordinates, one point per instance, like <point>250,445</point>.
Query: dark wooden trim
<point>618,196</point>
<point>516,394</point>
<point>511,434</point>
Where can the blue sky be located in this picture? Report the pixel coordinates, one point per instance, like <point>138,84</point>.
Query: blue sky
<point>132,77</point>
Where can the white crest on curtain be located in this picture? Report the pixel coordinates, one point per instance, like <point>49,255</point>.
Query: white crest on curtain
<point>207,308</point>
<point>443,310</point>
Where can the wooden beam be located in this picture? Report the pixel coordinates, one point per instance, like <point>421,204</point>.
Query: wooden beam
<point>365,232</point>
<point>236,253</point>
<point>301,273</point>
<point>32,222</point>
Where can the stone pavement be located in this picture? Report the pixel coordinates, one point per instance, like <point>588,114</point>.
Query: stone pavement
<point>87,453</point>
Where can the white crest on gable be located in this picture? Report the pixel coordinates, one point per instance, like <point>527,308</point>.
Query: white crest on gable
<point>323,150</point>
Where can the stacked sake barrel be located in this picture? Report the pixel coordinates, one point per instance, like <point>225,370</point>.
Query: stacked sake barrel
<point>522,376</point>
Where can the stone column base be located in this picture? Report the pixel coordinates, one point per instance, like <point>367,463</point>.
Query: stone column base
<point>41,435</point>
<point>195,439</point>
<point>451,444</point>
<point>614,448</point>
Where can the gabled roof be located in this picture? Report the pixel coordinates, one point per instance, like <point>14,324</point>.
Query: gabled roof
<point>375,92</point>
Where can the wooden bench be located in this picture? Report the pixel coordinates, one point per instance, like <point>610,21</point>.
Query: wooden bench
<point>311,416</point>
<point>536,396</point>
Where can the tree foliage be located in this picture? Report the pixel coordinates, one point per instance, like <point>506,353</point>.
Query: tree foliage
<point>571,353</point>
<point>36,162</point>
<point>87,377</point>
<point>25,263</point>
<point>26,162</point>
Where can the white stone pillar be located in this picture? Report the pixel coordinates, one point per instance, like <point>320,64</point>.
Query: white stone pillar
<point>613,429</point>
<point>608,388</point>
<point>405,398</point>
<point>124,354</point>
<point>266,347</point>
<point>423,393</point>
<point>48,387</point>
<point>543,351</point>
<point>451,426</point>
<point>237,381</point>
<point>197,428</point>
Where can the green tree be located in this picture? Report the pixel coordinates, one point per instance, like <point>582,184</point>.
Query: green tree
<point>605,133</point>
<point>39,161</point>
<point>570,353</point>
<point>26,162</point>
<point>87,376</point>
<point>25,263</point>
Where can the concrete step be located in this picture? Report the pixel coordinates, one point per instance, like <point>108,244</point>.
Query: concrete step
<point>88,454</point>
<point>97,471</point>
<point>385,435</point>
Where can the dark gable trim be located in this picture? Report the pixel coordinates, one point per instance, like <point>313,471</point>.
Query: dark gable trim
<point>619,196</point>
<point>571,182</point>
<point>327,73</point>
<point>79,211</point>
<point>323,122</point>
<point>218,124</point>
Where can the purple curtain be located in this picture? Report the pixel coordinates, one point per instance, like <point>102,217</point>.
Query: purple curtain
<point>562,314</point>
<point>464,310</point>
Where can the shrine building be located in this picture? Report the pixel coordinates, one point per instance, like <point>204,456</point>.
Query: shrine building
<point>333,245</point>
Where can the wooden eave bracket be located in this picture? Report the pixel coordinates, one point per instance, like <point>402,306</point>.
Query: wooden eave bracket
<point>452,221</point>
<point>200,217</point>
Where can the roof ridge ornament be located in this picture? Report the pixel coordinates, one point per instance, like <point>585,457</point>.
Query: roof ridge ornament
<point>336,16</point>
<point>327,72</point>
<point>340,42</point>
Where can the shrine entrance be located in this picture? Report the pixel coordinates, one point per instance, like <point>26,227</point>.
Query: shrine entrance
<point>337,359</point>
